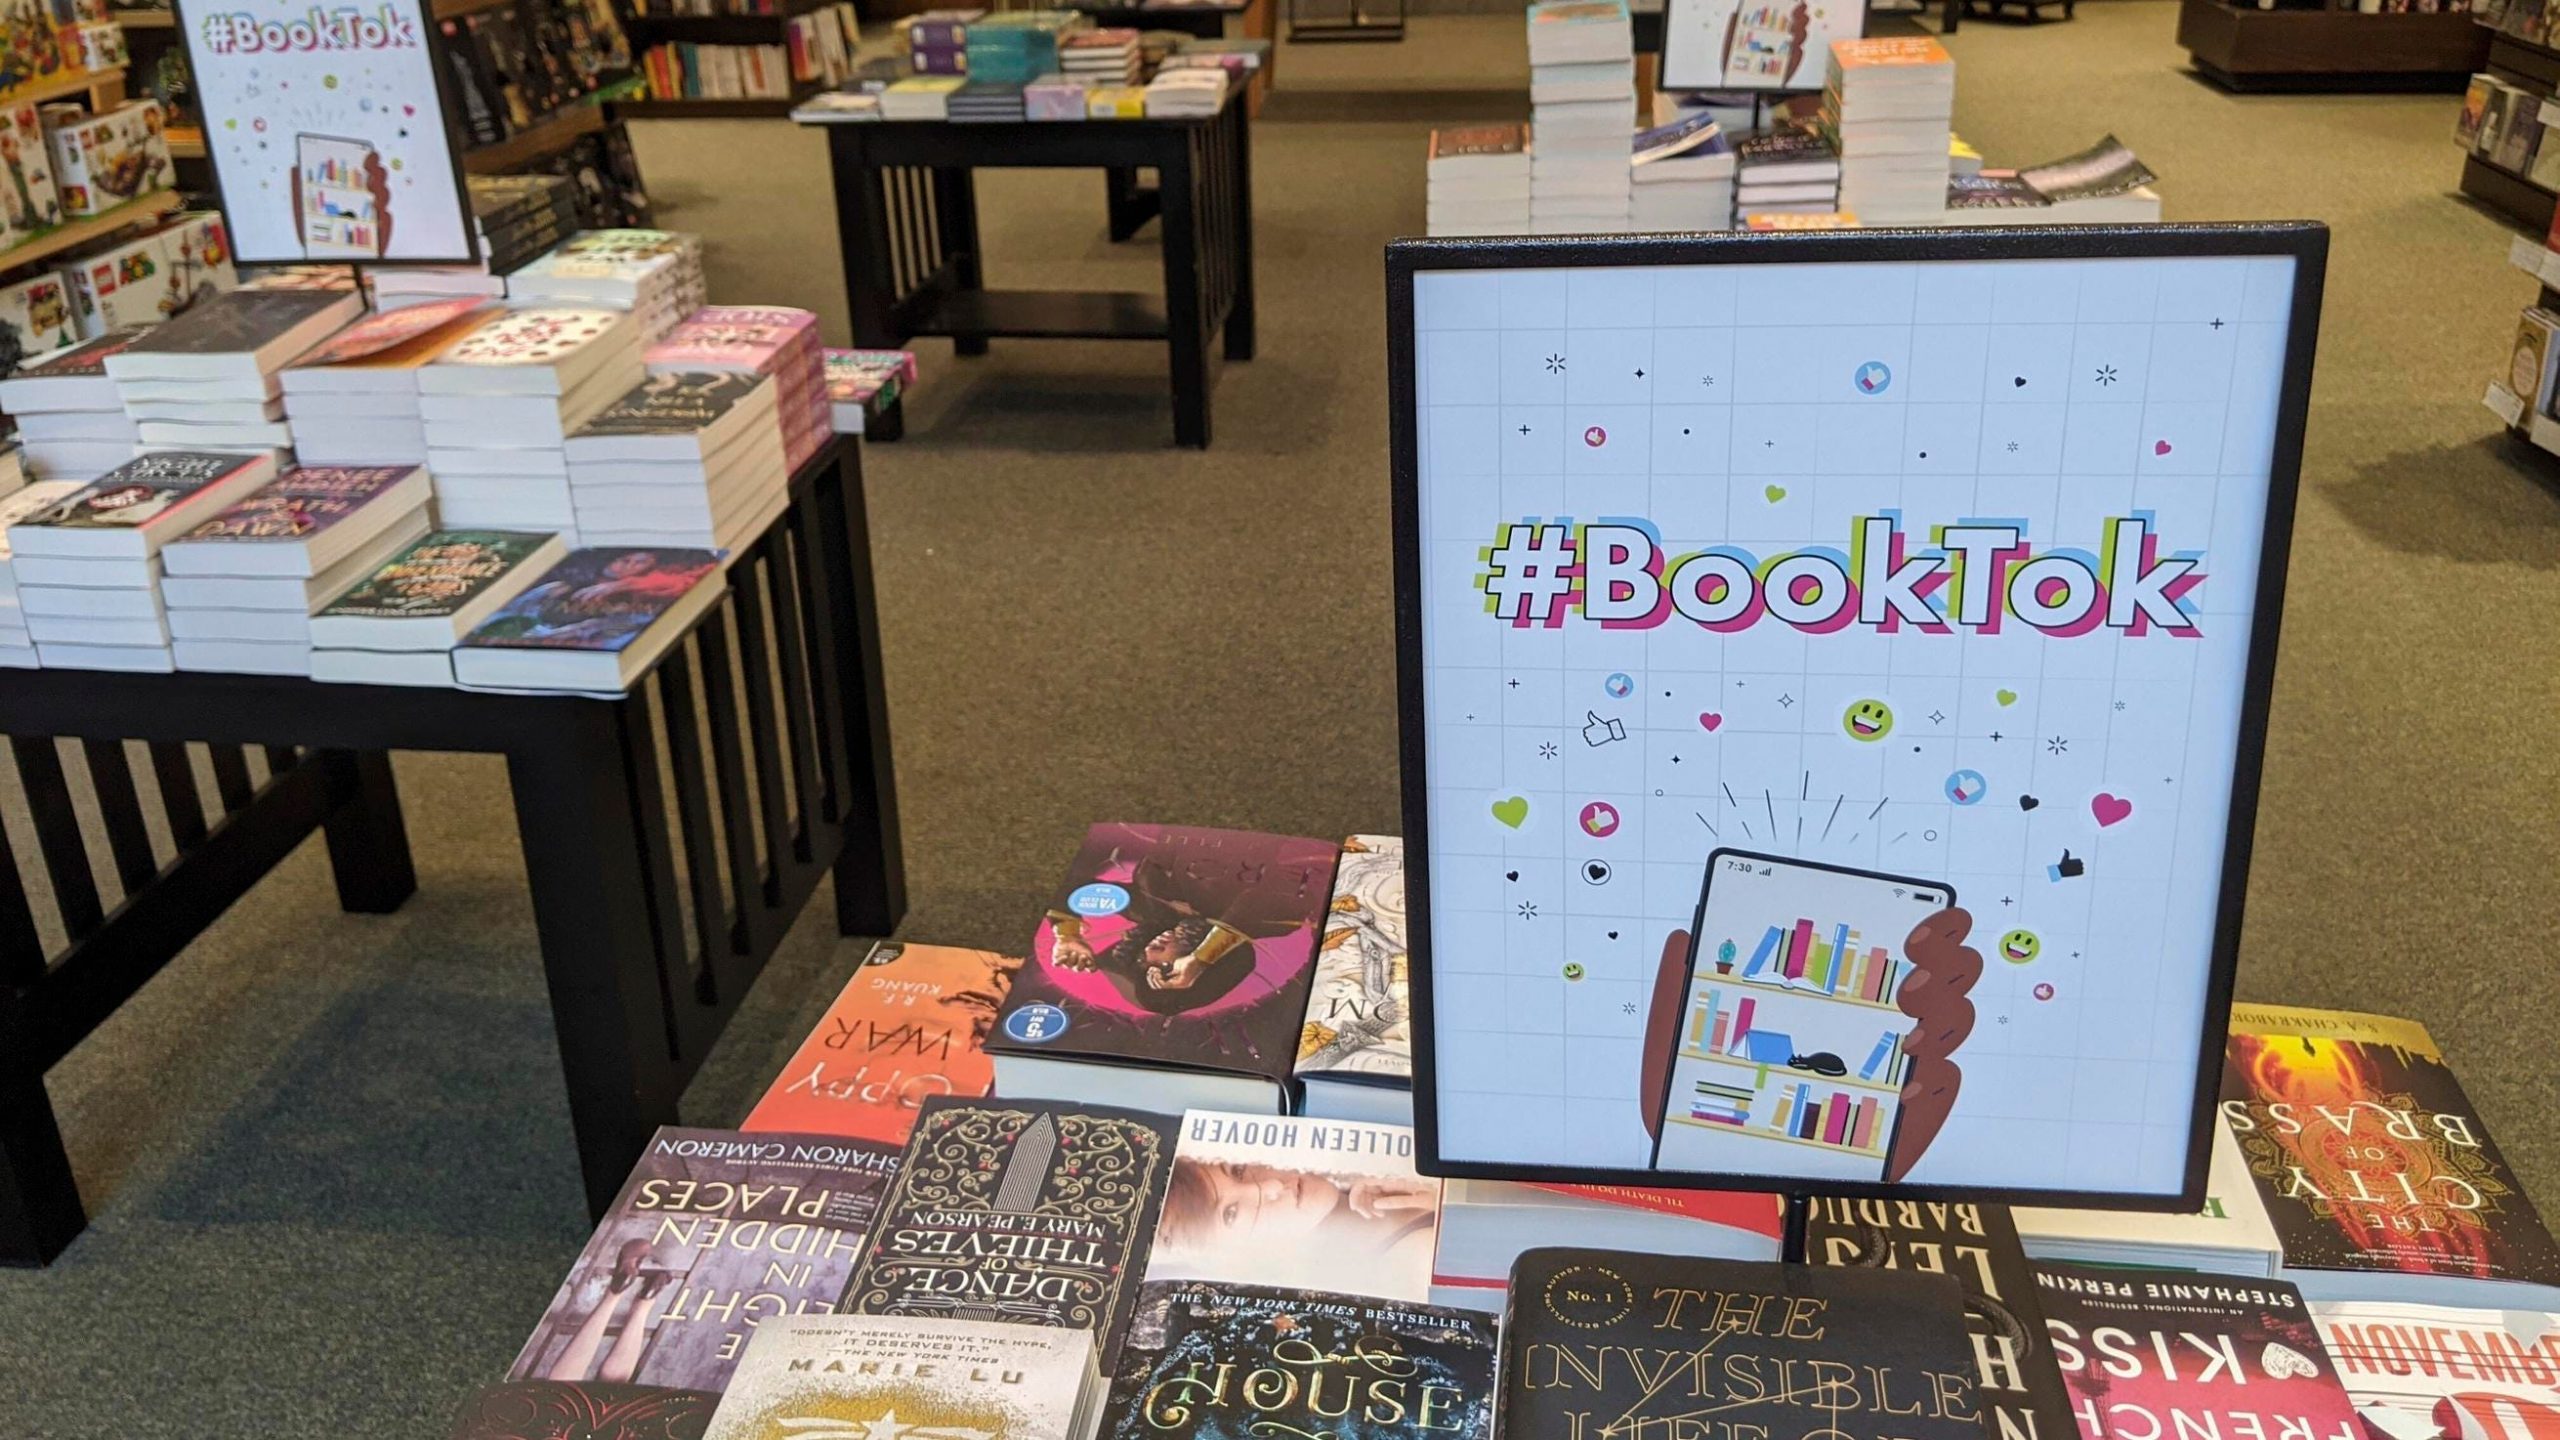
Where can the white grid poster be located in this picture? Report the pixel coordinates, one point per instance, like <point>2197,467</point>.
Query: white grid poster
<point>1909,571</point>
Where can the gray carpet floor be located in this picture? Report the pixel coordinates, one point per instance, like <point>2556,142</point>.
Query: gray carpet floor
<point>329,1157</point>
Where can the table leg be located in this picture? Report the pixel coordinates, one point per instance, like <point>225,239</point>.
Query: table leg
<point>1952,17</point>
<point>862,234</point>
<point>1178,192</point>
<point>604,907</point>
<point>40,1211</point>
<point>368,841</point>
<point>1128,206</point>
<point>955,209</point>
<point>871,870</point>
<point>1240,316</point>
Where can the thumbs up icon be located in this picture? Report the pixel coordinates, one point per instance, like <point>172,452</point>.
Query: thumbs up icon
<point>2064,869</point>
<point>1600,732</point>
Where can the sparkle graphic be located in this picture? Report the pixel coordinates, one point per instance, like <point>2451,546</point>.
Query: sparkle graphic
<point>1786,702</point>
<point>2106,374</point>
<point>1528,910</point>
<point>1937,717</point>
<point>2217,322</point>
<point>2057,745</point>
<point>1555,364</point>
<point>1547,751</point>
<point>2013,447</point>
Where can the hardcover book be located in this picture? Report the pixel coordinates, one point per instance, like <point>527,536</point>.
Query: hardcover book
<point>583,1410</point>
<point>251,331</point>
<point>2431,1372</point>
<point>300,505</point>
<point>439,576</point>
<point>2190,1354</point>
<point>133,509</point>
<point>1211,1361</point>
<point>393,336</point>
<point>1327,1204</point>
<point>593,621</point>
<point>910,1025</point>
<point>1018,1211</point>
<point>1605,1343</point>
<point>2380,1177</point>
<point>2231,1235</point>
<point>715,1233</point>
<point>671,403</point>
<point>1355,1049</point>
<point>839,1377</point>
<point>1170,949</point>
<point>2013,1368</point>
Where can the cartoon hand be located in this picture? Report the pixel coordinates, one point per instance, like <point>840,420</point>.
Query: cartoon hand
<point>1661,1020</point>
<point>1944,969</point>
<point>377,180</point>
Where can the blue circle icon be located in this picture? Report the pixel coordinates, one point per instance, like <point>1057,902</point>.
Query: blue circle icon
<point>1966,786</point>
<point>1619,686</point>
<point>1036,1024</point>
<point>1098,898</point>
<point>1872,378</point>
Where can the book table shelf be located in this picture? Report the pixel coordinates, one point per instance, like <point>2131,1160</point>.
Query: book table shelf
<point>671,836</point>
<point>907,220</point>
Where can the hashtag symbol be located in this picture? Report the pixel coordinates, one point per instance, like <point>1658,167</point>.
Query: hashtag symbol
<point>1528,572</point>
<point>217,33</point>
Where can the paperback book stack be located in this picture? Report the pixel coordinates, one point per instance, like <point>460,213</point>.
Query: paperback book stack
<point>1176,94</point>
<point>593,623</point>
<point>1785,172</point>
<point>1105,56</point>
<point>1477,182</point>
<point>17,647</point>
<point>354,399</point>
<point>938,41</point>
<point>1886,107</point>
<point>399,623</point>
<point>1240,55</point>
<point>499,406</point>
<point>864,387</point>
<point>689,458</point>
<point>207,380</point>
<point>518,217</point>
<point>767,340</point>
<point>1684,175</point>
<point>920,97</point>
<point>240,588</point>
<point>1015,47</point>
<point>654,274</point>
<point>87,567</point>
<point>71,420</point>
<point>1582,108</point>
<point>1056,97</point>
<point>987,101</point>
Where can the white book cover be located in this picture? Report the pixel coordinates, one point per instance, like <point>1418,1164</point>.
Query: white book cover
<point>820,1377</point>
<point>2434,1372</point>
<point>2232,1230</point>
<point>546,350</point>
<point>1309,1204</point>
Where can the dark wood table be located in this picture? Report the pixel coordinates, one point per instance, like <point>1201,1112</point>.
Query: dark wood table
<point>907,219</point>
<point>671,836</point>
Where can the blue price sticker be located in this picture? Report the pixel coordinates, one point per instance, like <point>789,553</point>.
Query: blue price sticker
<point>1098,899</point>
<point>1036,1024</point>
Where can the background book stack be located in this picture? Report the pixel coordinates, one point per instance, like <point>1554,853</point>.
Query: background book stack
<point>654,274</point>
<point>17,647</point>
<point>1887,107</point>
<point>398,625</point>
<point>769,340</point>
<point>1477,181</point>
<point>987,102</point>
<point>687,458</point>
<point>208,379</point>
<point>1582,99</point>
<point>70,414</point>
<point>353,400</point>
<point>1014,47</point>
<point>920,97</point>
<point>1097,56</point>
<point>1683,173</point>
<point>499,405</point>
<point>239,588</point>
<point>1784,172</point>
<point>938,40</point>
<point>517,217</point>
<point>1176,93</point>
<point>864,387</point>
<point>592,624</point>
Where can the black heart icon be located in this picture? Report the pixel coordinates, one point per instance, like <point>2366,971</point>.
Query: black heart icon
<point>2018,380</point>
<point>1511,875</point>
<point>1613,934</point>
<point>2028,802</point>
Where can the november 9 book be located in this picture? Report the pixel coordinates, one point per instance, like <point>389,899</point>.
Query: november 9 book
<point>860,1377</point>
<point>582,1410</point>
<point>1290,1200</point>
<point>910,1025</point>
<point>1610,1345</point>
<point>2432,1372</point>
<point>2173,1353</point>
<point>715,1232</point>
<point>1355,1051</point>
<point>2379,1175</point>
<point>2013,1370</point>
<point>1207,1360</point>
<point>1171,969</point>
<point>1027,1212</point>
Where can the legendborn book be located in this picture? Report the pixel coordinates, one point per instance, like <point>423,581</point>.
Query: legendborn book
<point>857,1377</point>
<point>1210,1361</point>
<point>2174,1353</point>
<point>1610,1345</point>
<point>1028,1212</point>
<point>1977,1246</point>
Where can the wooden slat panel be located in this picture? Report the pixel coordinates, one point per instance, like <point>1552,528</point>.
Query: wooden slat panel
<point>728,755</point>
<point>795,697</point>
<point>176,776</point>
<point>755,655</point>
<point>711,924</point>
<point>818,620</point>
<point>21,947</point>
<point>281,758</point>
<point>231,776</point>
<point>66,856</point>
<point>120,807</point>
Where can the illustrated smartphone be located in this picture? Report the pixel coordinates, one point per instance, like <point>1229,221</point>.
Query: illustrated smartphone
<point>339,215</point>
<point>1787,1058</point>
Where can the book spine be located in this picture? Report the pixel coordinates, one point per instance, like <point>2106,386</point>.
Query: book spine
<point>1760,957</point>
<point>1797,948</point>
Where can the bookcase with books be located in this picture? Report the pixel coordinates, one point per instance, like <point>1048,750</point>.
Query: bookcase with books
<point>714,59</point>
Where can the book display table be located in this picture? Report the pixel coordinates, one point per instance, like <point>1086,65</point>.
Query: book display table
<point>907,219</point>
<point>670,836</point>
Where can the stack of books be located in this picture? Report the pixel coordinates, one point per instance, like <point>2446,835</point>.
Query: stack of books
<point>1179,93</point>
<point>398,625</point>
<point>1240,54</point>
<point>654,274</point>
<point>920,97</point>
<point>1477,182</point>
<point>71,420</point>
<point>240,588</point>
<point>1785,172</point>
<point>689,458</point>
<point>862,384</point>
<point>938,41</point>
<point>592,624</point>
<point>87,567</point>
<point>763,340</point>
<point>1056,97</point>
<point>498,408</point>
<point>17,647</point>
<point>1106,55</point>
<point>1887,107</point>
<point>1582,108</point>
<point>1018,46</point>
<point>354,399</point>
<point>1684,175</point>
<point>2102,185</point>
<point>207,380</point>
<point>984,101</point>
<point>1115,102</point>
<point>518,217</point>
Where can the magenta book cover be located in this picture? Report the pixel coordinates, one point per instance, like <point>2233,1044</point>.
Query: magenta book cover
<point>302,502</point>
<point>728,335</point>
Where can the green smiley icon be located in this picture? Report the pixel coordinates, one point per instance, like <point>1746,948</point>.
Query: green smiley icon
<point>1573,970</point>
<point>2020,946</point>
<point>1868,720</point>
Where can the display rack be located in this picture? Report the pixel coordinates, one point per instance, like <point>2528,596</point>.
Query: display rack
<point>773,28</point>
<point>2526,424</point>
<point>80,232</point>
<point>2537,68</point>
<point>2333,50</point>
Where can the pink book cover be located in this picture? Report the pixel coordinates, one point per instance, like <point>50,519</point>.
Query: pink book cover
<point>728,336</point>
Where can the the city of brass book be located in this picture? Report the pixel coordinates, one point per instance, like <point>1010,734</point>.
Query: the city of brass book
<point>715,1233</point>
<point>867,1377</point>
<point>1211,1361</point>
<point>2013,1369</point>
<point>1615,1345</point>
<point>2174,1354</point>
<point>1030,1212</point>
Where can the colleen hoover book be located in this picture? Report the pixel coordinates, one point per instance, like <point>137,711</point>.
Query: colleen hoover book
<point>909,1026</point>
<point>2183,1354</point>
<point>1355,1050</point>
<point>863,1377</point>
<point>1325,1204</point>
<point>715,1233</point>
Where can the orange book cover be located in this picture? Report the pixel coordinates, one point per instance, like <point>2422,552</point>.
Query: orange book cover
<point>911,1023</point>
<point>1743,1210</point>
<point>1890,50</point>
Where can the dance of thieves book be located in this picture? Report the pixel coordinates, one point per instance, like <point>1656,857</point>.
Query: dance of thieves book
<point>1612,1345</point>
<point>583,1410</point>
<point>1355,1051</point>
<point>2371,1162</point>
<point>2174,1353</point>
<point>860,1377</point>
<point>1019,1211</point>
<point>715,1232</point>
<point>2431,1372</point>
<point>2013,1370</point>
<point>910,1025</point>
<point>1210,1361</point>
<point>1170,971</point>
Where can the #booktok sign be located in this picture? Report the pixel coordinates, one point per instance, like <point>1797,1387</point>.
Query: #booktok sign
<point>1834,671</point>
<point>328,129</point>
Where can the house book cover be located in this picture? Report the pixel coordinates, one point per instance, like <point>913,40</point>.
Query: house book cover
<point>1357,1020</point>
<point>2434,1372</point>
<point>583,1410</point>
<point>1211,1361</point>
<point>598,599</point>
<point>714,1233</point>
<point>2176,1353</point>
<point>1030,1212</point>
<point>439,575</point>
<point>1975,1245</point>
<point>857,1377</point>
<point>1175,946</point>
<point>1288,1200</point>
<point>2368,1155</point>
<point>1609,1345</point>
<point>302,502</point>
<point>910,1026</point>
<point>140,491</point>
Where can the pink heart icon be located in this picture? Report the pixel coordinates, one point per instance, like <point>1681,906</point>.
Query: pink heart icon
<point>2159,447</point>
<point>1710,719</point>
<point>2109,809</point>
<point>408,109</point>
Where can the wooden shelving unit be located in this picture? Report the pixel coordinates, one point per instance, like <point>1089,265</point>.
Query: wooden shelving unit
<point>145,19</point>
<point>2330,50</point>
<point>536,142</point>
<point>656,109</point>
<point>80,232</point>
<point>2536,68</point>
<point>92,83</point>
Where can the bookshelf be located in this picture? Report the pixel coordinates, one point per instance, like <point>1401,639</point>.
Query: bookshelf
<point>2246,49</point>
<point>80,232</point>
<point>2535,67</point>
<point>104,89</point>
<point>649,29</point>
